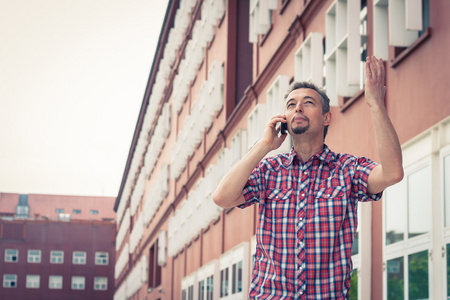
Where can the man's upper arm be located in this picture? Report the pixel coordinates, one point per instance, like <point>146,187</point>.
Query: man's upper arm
<point>376,182</point>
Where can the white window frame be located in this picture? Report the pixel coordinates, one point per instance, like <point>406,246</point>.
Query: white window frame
<point>396,23</point>
<point>343,45</point>
<point>9,280</point>
<point>238,146</point>
<point>256,121</point>
<point>208,270</point>
<point>122,261</point>
<point>12,257</point>
<point>276,105</point>
<point>56,256</point>
<point>238,254</point>
<point>260,19</point>
<point>405,22</point>
<point>428,149</point>
<point>445,152</point>
<point>100,283</point>
<point>78,283</point>
<point>188,282</point>
<point>55,282</point>
<point>309,59</point>
<point>101,258</point>
<point>79,257</point>
<point>33,281</point>
<point>34,256</point>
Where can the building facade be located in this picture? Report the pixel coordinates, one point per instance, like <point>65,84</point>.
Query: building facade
<point>220,71</point>
<point>56,247</point>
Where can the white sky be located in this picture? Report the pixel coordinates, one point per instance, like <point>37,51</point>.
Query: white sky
<point>72,79</point>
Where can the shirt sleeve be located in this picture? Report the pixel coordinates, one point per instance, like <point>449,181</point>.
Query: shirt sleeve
<point>253,187</point>
<point>363,167</point>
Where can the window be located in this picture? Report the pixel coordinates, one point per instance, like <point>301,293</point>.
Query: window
<point>93,212</point>
<point>79,258</point>
<point>238,146</point>
<point>224,283</point>
<point>33,281</point>
<point>101,258</point>
<point>56,257</point>
<point>343,49</point>
<point>9,280</point>
<point>260,17</point>
<point>309,60</point>
<point>11,255</point>
<point>55,282</point>
<point>276,105</point>
<point>187,287</point>
<point>59,210</point>
<point>206,276</point>
<point>409,228</point>
<point>100,283</point>
<point>399,23</point>
<point>76,211</point>
<point>22,209</point>
<point>415,213</point>
<point>255,123</point>
<point>154,269</point>
<point>34,256</point>
<point>234,275</point>
<point>78,282</point>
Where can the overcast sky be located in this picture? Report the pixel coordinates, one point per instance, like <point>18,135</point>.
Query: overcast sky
<point>72,79</point>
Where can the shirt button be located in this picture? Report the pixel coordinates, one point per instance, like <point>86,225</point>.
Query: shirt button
<point>306,172</point>
<point>303,194</point>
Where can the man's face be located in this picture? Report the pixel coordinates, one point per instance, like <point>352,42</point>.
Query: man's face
<point>304,112</point>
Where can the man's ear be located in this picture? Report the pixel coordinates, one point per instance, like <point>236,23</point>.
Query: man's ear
<point>327,118</point>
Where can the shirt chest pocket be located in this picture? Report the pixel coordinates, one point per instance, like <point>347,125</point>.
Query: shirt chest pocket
<point>278,203</point>
<point>330,204</point>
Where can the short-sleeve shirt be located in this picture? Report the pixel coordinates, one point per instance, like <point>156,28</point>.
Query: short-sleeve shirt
<point>307,220</point>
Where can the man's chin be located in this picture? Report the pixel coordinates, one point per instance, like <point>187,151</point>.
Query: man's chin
<point>300,130</point>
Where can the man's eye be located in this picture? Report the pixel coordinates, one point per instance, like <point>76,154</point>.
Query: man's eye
<point>290,105</point>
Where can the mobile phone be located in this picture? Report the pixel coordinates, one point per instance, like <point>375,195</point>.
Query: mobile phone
<point>283,128</point>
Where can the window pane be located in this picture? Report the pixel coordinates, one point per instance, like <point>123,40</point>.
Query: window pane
<point>447,189</point>
<point>354,285</point>
<point>224,282</point>
<point>395,279</point>
<point>201,289</point>
<point>210,288</point>
<point>419,199</point>
<point>418,275</point>
<point>395,203</point>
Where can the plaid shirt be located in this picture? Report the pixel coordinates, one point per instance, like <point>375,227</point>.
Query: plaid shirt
<point>307,220</point>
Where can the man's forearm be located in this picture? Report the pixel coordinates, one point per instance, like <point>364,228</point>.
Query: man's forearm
<point>229,190</point>
<point>389,150</point>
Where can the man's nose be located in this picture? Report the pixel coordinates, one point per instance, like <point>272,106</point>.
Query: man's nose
<point>299,108</point>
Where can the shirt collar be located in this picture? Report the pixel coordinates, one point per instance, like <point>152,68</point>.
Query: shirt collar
<point>325,155</point>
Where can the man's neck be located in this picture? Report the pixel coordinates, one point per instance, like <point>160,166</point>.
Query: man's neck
<point>305,148</point>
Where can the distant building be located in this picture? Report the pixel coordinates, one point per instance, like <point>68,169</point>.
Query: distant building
<point>56,247</point>
<point>220,72</point>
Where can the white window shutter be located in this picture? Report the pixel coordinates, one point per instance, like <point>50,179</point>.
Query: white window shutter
<point>162,245</point>
<point>414,15</point>
<point>354,42</point>
<point>399,36</point>
<point>380,29</point>
<point>317,58</point>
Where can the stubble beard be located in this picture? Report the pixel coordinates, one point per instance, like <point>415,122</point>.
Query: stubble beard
<point>300,129</point>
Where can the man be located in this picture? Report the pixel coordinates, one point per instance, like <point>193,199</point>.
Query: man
<point>308,197</point>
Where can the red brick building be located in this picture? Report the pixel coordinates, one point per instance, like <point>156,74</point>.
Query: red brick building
<point>220,71</point>
<point>56,247</point>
